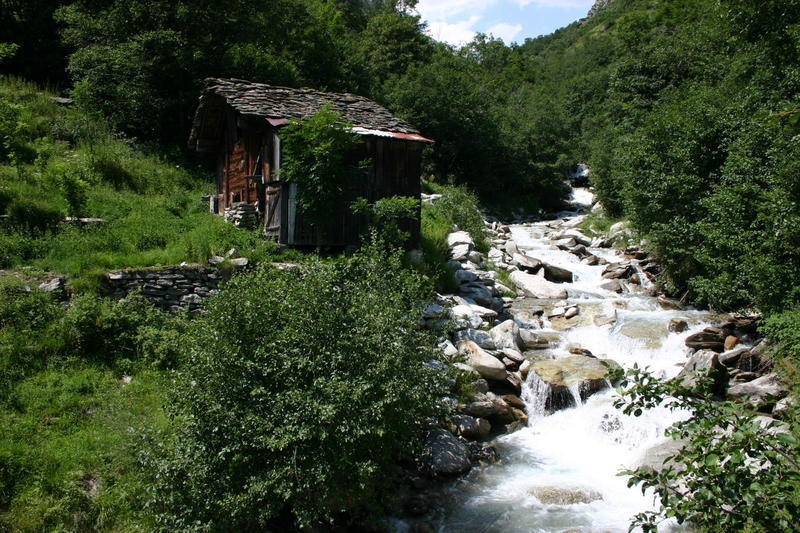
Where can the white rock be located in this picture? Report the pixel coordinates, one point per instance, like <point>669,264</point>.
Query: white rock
<point>459,252</point>
<point>511,248</point>
<point>537,287</point>
<point>447,348</point>
<point>459,237</point>
<point>506,335</point>
<point>487,366</point>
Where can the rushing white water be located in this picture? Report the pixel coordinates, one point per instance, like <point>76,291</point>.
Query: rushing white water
<point>571,458</point>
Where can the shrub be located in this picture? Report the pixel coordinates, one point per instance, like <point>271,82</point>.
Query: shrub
<point>301,390</point>
<point>9,129</point>
<point>730,474</point>
<point>34,215</point>
<point>784,330</point>
<point>388,215</point>
<point>459,206</point>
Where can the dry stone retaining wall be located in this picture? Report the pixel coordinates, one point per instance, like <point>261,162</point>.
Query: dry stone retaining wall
<point>173,288</point>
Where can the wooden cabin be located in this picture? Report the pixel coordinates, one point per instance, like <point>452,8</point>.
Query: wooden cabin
<point>240,121</point>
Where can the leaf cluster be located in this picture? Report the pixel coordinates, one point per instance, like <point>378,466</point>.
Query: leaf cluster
<point>733,471</point>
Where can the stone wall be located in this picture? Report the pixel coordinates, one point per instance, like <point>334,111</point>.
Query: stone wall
<point>242,215</point>
<point>173,288</point>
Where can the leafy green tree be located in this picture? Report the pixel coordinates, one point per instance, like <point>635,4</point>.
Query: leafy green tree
<point>302,390</point>
<point>318,156</point>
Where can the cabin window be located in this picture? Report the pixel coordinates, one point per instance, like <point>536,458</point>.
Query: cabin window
<point>236,197</point>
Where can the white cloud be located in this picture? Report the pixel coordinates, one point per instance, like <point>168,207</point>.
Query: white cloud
<point>585,4</point>
<point>457,33</point>
<point>505,31</point>
<point>442,10</point>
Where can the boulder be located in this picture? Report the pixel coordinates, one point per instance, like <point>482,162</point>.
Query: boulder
<point>549,495</point>
<point>515,355</point>
<point>479,337</point>
<point>706,340</point>
<point>511,248</point>
<point>470,427</point>
<point>494,409</point>
<point>561,377</point>
<point>730,342</point>
<point>658,457</point>
<point>617,271</point>
<point>678,325</point>
<point>756,359</point>
<point>602,320</point>
<point>525,367</point>
<point>612,285</point>
<point>525,263</point>
<point>731,359</point>
<point>434,310</point>
<point>444,455</point>
<point>56,286</point>
<point>761,392</point>
<point>703,362</point>
<point>459,238</point>
<point>571,312</point>
<point>466,310</point>
<point>784,407</point>
<point>447,348</point>
<point>537,287</point>
<point>532,341</point>
<point>487,366</point>
<point>464,276</point>
<point>496,256</point>
<point>557,274</point>
<point>578,236</point>
<point>459,252</point>
<point>478,292</point>
<point>669,303</point>
<point>506,335</point>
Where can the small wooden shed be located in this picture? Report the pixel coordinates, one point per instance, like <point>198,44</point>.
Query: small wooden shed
<point>240,121</point>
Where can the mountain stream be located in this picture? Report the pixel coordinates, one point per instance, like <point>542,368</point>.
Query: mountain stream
<point>560,473</point>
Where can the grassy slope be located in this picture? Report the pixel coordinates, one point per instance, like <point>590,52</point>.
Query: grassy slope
<point>152,205</point>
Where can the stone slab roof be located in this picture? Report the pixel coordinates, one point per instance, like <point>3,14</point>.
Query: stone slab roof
<point>278,105</point>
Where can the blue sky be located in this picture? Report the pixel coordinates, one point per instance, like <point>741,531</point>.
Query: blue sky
<point>457,21</point>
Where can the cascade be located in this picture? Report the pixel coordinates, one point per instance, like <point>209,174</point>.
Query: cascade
<point>560,473</point>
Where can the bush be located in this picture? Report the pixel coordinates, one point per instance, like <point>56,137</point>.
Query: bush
<point>459,206</point>
<point>731,474</point>
<point>784,330</point>
<point>34,215</point>
<point>9,129</point>
<point>317,156</point>
<point>301,391</point>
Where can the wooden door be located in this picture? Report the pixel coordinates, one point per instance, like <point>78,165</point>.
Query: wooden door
<point>272,218</point>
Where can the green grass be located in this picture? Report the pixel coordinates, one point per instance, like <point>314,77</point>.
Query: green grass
<point>68,428</point>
